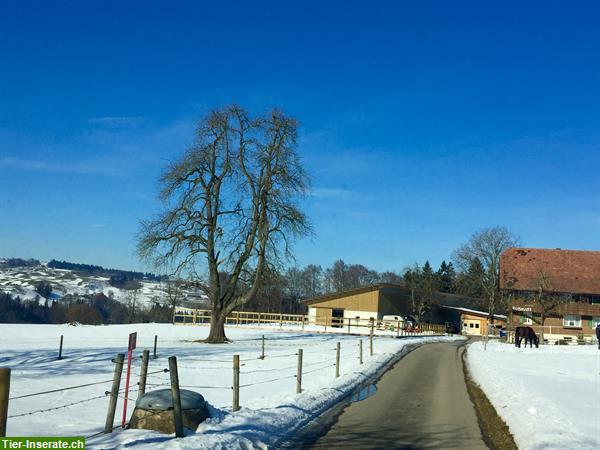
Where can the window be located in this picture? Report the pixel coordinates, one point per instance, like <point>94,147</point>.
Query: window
<point>595,321</point>
<point>572,320</point>
<point>470,325</point>
<point>527,317</point>
<point>476,325</point>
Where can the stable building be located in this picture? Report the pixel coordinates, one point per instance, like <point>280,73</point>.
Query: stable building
<point>571,275</point>
<point>474,323</point>
<point>366,303</point>
<point>374,302</point>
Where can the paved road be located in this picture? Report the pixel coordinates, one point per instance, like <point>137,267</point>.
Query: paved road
<point>421,403</point>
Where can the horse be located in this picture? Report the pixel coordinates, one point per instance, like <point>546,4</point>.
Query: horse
<point>528,334</point>
<point>598,335</point>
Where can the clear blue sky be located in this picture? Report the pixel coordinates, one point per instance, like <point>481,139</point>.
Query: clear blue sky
<point>421,122</point>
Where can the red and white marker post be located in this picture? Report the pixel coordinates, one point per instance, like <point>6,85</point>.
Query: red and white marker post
<point>130,348</point>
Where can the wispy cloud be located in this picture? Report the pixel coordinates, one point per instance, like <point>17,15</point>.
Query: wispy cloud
<point>117,121</point>
<point>45,166</point>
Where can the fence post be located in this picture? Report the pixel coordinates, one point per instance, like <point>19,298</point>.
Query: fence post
<point>236,383</point>
<point>280,320</point>
<point>371,340</point>
<point>360,351</point>
<point>114,393</point>
<point>155,340</point>
<point>144,371</point>
<point>337,360</point>
<point>60,347</point>
<point>259,319</point>
<point>397,328</point>
<point>238,318</point>
<point>4,394</point>
<point>177,418</point>
<point>303,317</point>
<point>349,325</point>
<point>262,354</point>
<point>299,373</point>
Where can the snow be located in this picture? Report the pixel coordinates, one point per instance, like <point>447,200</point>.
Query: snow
<point>271,409</point>
<point>549,397</point>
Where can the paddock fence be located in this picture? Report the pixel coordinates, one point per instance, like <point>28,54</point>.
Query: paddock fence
<point>398,328</point>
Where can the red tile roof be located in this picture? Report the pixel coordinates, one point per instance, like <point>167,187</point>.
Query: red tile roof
<point>568,271</point>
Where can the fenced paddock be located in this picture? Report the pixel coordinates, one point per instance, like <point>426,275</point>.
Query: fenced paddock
<point>70,396</point>
<point>189,316</point>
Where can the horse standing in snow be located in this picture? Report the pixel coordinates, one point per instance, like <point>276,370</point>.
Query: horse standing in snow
<point>598,335</point>
<point>528,334</point>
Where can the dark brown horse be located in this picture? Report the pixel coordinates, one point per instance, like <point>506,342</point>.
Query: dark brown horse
<point>528,334</point>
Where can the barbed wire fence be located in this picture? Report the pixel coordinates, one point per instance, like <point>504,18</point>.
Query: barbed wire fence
<point>248,372</point>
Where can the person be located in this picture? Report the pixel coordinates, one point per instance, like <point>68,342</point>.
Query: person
<point>598,335</point>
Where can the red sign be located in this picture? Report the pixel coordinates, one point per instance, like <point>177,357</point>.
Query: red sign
<point>132,341</point>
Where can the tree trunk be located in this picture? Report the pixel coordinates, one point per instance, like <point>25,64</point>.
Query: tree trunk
<point>216,334</point>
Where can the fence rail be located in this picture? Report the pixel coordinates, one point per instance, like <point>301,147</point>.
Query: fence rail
<point>188,316</point>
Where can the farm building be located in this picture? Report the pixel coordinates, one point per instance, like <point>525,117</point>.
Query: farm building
<point>472,322</point>
<point>374,302</point>
<point>572,277</point>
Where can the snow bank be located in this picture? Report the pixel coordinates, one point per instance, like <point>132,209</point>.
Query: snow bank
<point>549,397</point>
<point>270,412</point>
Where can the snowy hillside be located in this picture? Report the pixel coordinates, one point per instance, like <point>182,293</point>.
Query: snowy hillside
<point>21,281</point>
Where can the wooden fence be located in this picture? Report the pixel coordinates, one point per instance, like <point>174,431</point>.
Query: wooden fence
<point>187,316</point>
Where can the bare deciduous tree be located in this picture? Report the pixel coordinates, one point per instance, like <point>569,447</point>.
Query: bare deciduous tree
<point>174,294</point>
<point>486,245</point>
<point>546,299</point>
<point>230,205</point>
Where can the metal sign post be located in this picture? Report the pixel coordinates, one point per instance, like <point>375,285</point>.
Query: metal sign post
<point>130,348</point>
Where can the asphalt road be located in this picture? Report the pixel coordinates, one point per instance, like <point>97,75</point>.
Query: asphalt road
<point>421,403</point>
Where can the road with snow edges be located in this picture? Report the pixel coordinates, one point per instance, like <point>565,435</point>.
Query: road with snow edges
<point>422,402</point>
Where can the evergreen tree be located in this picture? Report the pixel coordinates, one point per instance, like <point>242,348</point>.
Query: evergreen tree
<point>447,277</point>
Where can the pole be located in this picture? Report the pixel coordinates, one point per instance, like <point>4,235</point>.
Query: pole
<point>360,351</point>
<point>303,323</point>
<point>114,393</point>
<point>349,325</point>
<point>262,355</point>
<point>337,360</point>
<point>60,347</point>
<point>155,341</point>
<point>299,373</point>
<point>280,320</point>
<point>4,394</point>
<point>127,376</point>
<point>397,328</point>
<point>144,371</point>
<point>371,341</point>
<point>236,383</point>
<point>177,418</point>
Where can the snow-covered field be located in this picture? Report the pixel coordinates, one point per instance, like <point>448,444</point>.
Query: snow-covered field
<point>549,396</point>
<point>271,410</point>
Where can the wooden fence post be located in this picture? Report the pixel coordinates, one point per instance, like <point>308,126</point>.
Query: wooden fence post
<point>371,341</point>
<point>60,347</point>
<point>262,354</point>
<point>144,371</point>
<point>299,373</point>
<point>4,394</point>
<point>303,317</point>
<point>360,351</point>
<point>349,325</point>
<point>114,393</point>
<point>155,340</point>
<point>337,360</point>
<point>259,319</point>
<point>238,318</point>
<point>236,383</point>
<point>280,320</point>
<point>177,418</point>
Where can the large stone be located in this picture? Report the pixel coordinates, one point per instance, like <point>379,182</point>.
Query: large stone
<point>154,411</point>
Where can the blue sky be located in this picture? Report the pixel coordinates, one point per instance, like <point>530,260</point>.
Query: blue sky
<point>420,122</point>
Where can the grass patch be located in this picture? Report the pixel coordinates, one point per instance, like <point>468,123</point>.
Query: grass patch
<point>493,429</point>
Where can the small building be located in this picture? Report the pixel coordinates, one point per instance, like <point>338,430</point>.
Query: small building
<point>572,276</point>
<point>374,302</point>
<point>473,322</point>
